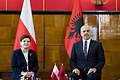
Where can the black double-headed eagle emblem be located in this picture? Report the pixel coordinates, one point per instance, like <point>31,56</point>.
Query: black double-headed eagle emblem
<point>76,23</point>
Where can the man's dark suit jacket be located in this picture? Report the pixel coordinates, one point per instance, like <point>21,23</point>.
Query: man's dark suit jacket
<point>19,64</point>
<point>95,57</point>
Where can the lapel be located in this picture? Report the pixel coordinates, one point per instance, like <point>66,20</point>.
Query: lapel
<point>80,48</point>
<point>23,58</point>
<point>90,51</point>
<point>29,55</point>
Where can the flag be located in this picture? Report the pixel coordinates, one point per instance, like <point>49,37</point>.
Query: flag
<point>55,72</point>
<point>73,30</point>
<point>26,26</point>
<point>61,73</point>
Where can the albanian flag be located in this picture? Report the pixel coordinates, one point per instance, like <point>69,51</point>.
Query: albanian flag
<point>73,30</point>
<point>61,73</point>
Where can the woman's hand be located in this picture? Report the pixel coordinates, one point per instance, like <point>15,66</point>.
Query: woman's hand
<point>29,74</point>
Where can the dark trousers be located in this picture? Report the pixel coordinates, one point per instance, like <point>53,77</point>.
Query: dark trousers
<point>90,76</point>
<point>84,76</point>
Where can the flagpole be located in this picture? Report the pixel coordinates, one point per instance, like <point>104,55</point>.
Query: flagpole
<point>43,5</point>
<point>44,40</point>
<point>98,26</point>
<point>6,6</point>
<point>44,35</point>
<point>116,5</point>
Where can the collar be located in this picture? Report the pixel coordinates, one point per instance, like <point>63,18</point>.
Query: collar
<point>86,40</point>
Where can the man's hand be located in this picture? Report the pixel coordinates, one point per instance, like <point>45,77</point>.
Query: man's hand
<point>76,71</point>
<point>92,70</point>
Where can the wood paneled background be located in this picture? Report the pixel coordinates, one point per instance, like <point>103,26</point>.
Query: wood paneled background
<point>50,32</point>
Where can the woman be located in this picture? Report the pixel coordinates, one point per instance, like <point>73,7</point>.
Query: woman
<point>24,60</point>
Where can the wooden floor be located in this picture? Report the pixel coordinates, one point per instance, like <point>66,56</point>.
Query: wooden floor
<point>44,75</point>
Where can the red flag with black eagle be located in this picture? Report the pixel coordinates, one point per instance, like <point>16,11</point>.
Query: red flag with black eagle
<point>61,73</point>
<point>73,30</point>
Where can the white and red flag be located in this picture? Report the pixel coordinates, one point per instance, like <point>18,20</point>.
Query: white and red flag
<point>55,72</point>
<point>61,73</point>
<point>73,30</point>
<point>26,26</point>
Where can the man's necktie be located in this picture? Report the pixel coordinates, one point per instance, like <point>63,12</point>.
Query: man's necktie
<point>85,49</point>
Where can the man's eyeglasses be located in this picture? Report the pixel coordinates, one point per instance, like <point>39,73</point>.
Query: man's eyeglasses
<point>86,31</point>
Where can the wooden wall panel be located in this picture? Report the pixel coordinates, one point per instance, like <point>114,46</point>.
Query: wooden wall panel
<point>40,56</point>
<point>55,29</point>
<point>55,33</point>
<point>58,55</point>
<point>39,28</point>
<point>110,38</point>
<point>5,58</point>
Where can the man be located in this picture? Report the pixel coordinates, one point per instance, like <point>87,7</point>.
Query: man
<point>87,56</point>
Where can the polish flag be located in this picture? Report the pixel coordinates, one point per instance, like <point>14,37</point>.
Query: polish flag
<point>26,26</point>
<point>55,72</point>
